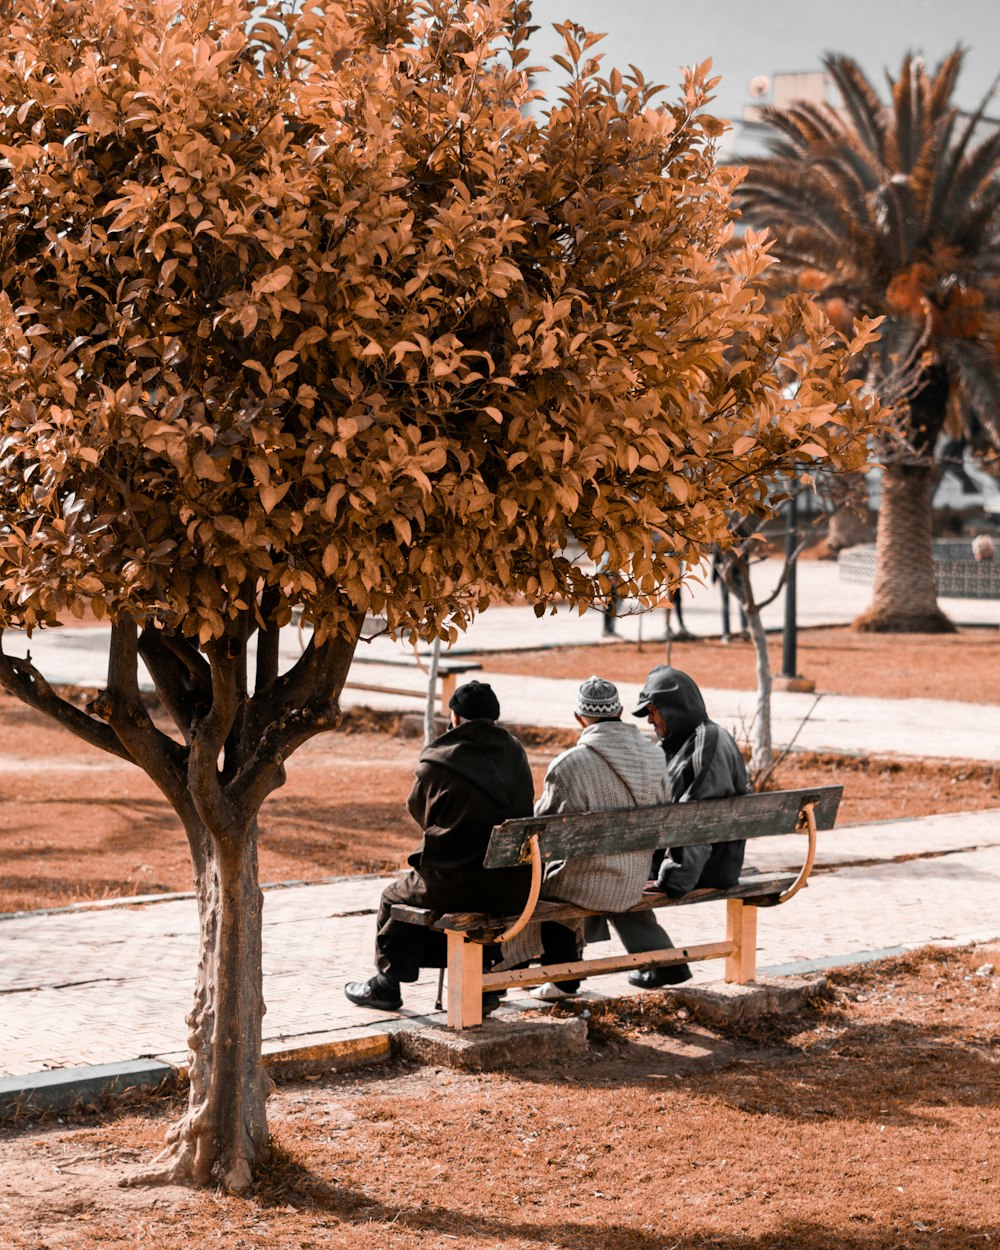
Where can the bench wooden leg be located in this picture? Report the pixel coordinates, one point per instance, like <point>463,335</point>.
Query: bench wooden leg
<point>741,930</point>
<point>449,682</point>
<point>465,982</point>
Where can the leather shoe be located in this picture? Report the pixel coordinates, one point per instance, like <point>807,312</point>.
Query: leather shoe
<point>656,978</point>
<point>374,993</point>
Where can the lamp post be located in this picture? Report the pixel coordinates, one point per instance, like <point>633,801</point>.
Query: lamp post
<point>789,642</point>
<point>789,678</point>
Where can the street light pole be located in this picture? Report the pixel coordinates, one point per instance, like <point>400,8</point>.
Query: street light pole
<point>789,678</point>
<point>789,641</point>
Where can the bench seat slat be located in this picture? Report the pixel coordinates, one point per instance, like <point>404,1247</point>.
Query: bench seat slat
<point>760,888</point>
<point>649,828</point>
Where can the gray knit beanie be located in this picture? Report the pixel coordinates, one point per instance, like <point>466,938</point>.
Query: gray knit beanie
<point>598,698</point>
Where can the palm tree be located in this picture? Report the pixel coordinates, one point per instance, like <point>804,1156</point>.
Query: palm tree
<point>893,210</point>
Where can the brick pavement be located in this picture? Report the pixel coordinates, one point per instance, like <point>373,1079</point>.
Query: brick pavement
<point>113,983</point>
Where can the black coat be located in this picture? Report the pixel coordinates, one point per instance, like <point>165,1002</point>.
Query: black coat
<point>468,780</point>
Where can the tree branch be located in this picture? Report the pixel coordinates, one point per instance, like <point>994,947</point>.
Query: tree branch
<point>786,569</point>
<point>21,679</point>
<point>209,733</point>
<point>267,644</point>
<point>122,707</point>
<point>182,678</point>
<point>303,702</point>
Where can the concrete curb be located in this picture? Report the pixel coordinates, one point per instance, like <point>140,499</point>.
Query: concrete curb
<point>503,1041</point>
<point>64,1088</point>
<point>806,966</point>
<point>725,1006</point>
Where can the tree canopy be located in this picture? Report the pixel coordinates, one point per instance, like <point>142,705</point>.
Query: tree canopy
<point>313,303</point>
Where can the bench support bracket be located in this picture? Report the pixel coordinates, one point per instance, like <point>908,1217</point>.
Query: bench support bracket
<point>535,858</point>
<point>807,825</point>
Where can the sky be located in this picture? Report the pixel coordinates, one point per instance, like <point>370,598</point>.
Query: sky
<point>780,36</point>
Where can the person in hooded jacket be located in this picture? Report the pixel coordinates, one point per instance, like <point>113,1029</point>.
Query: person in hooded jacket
<point>474,776</point>
<point>703,762</point>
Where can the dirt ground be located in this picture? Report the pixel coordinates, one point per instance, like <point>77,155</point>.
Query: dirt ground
<point>867,1123</point>
<point>77,825</point>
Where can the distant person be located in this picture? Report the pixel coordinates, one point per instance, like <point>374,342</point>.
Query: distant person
<point>702,762</point>
<point>675,609</point>
<point>612,766</point>
<point>474,776</point>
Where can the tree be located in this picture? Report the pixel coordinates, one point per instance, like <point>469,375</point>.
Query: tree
<point>893,210</point>
<point>305,310</point>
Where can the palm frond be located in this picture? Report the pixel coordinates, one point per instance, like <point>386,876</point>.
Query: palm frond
<point>866,110</point>
<point>975,367</point>
<point>972,179</point>
<point>958,152</point>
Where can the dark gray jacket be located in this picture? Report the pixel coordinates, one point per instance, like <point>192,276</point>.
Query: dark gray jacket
<point>703,762</point>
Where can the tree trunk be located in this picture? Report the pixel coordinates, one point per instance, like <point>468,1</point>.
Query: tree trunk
<point>224,1132</point>
<point>736,577</point>
<point>904,599</point>
<point>761,748</point>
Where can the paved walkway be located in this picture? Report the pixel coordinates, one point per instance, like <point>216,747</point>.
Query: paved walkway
<point>113,983</point>
<point>78,655</point>
<point>839,723</point>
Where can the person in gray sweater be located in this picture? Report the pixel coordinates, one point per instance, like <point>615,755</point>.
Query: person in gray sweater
<point>612,766</point>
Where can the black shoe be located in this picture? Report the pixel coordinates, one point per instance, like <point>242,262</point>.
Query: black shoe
<point>376,993</point>
<point>655,978</point>
<point>492,1000</point>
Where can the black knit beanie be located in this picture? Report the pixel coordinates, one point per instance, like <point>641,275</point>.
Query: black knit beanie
<point>475,701</point>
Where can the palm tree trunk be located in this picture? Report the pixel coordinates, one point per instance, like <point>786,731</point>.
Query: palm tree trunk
<point>904,599</point>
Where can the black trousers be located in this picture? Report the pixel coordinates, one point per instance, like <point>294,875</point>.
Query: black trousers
<point>638,930</point>
<point>402,949</point>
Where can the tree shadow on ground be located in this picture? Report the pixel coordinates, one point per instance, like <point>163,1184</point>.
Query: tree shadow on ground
<point>156,816</point>
<point>894,1072</point>
<point>338,833</point>
<point>285,1181</point>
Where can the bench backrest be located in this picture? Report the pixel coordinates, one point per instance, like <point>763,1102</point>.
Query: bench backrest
<point>650,828</point>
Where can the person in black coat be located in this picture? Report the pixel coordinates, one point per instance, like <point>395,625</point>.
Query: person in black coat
<point>474,776</point>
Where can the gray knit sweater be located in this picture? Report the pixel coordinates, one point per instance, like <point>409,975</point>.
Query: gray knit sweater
<point>612,766</point>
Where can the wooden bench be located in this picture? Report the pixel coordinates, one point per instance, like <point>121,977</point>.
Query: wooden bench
<point>449,672</point>
<point>539,840</point>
